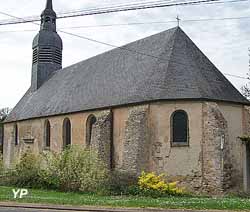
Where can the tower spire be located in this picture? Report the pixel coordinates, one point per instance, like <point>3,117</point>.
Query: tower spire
<point>47,49</point>
<point>48,17</point>
<point>49,5</point>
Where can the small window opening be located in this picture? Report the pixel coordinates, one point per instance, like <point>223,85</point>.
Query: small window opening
<point>66,133</point>
<point>89,128</point>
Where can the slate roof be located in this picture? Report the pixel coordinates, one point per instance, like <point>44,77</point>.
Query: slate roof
<point>169,67</point>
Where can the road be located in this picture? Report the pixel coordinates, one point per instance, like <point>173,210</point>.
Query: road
<point>17,209</point>
<point>2,209</point>
<point>63,209</point>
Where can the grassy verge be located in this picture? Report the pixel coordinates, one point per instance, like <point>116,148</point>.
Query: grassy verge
<point>54,197</point>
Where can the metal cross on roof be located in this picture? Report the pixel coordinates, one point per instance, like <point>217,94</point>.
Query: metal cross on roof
<point>178,20</point>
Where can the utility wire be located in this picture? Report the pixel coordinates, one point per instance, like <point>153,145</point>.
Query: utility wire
<point>115,46</point>
<point>134,51</point>
<point>118,8</point>
<point>137,23</point>
<point>115,5</point>
<point>237,76</point>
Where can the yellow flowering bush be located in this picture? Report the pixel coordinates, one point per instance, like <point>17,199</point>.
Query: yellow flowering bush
<point>156,184</point>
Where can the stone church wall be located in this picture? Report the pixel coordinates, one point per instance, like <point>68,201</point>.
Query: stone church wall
<point>1,137</point>
<point>8,148</point>
<point>246,149</point>
<point>31,134</point>
<point>131,140</point>
<point>234,116</point>
<point>136,141</point>
<point>102,136</point>
<point>216,150</point>
<point>180,163</point>
<point>142,141</point>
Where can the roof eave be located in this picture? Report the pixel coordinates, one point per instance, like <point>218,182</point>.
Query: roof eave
<point>132,104</point>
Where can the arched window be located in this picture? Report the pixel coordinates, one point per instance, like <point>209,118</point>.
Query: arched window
<point>179,125</point>
<point>47,134</point>
<point>66,132</point>
<point>16,134</point>
<point>89,126</point>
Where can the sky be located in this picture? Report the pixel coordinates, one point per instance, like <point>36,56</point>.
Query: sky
<point>225,42</point>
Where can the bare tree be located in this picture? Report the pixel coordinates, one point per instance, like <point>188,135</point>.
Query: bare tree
<point>245,90</point>
<point>4,112</point>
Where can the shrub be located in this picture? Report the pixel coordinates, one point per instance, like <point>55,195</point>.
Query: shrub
<point>49,170</point>
<point>27,170</point>
<point>75,169</point>
<point>152,185</point>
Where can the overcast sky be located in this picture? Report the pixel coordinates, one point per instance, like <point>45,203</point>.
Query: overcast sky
<point>224,42</point>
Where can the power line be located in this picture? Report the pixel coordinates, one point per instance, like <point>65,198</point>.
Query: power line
<point>134,51</point>
<point>237,76</point>
<point>138,23</point>
<point>117,8</point>
<point>119,47</point>
<point>110,5</point>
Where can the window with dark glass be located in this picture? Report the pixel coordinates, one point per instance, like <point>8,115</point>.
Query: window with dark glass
<point>16,134</point>
<point>47,134</point>
<point>89,127</point>
<point>180,127</point>
<point>66,132</point>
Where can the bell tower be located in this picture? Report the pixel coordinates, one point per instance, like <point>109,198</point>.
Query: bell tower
<point>47,49</point>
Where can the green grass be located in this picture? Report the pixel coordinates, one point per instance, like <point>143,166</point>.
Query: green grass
<point>77,199</point>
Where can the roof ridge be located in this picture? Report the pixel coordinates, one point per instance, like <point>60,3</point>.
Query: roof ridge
<point>187,40</point>
<point>172,50</point>
<point>122,47</point>
<point>180,35</point>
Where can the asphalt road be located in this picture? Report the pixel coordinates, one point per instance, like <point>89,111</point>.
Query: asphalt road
<point>3,209</point>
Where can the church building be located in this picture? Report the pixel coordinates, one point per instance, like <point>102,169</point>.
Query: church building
<point>157,105</point>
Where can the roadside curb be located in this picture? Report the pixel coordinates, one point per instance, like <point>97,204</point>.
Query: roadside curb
<point>95,209</point>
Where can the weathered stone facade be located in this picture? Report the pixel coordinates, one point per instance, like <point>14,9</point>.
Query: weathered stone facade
<point>136,141</point>
<point>246,120</point>
<point>246,149</point>
<point>137,138</point>
<point>1,137</point>
<point>216,168</point>
<point>101,138</point>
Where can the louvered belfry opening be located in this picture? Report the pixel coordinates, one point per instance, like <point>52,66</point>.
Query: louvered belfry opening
<point>47,55</point>
<point>35,56</point>
<point>58,57</point>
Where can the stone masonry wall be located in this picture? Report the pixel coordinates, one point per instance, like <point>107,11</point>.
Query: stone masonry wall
<point>8,148</point>
<point>136,141</point>
<point>246,120</point>
<point>216,155</point>
<point>246,149</point>
<point>140,140</point>
<point>1,137</point>
<point>102,136</point>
